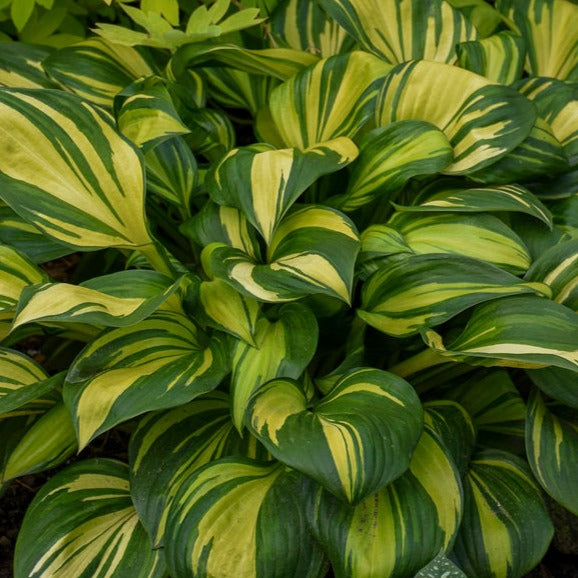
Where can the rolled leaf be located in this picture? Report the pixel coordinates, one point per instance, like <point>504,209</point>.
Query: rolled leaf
<point>82,523</point>
<point>158,363</point>
<point>261,505</point>
<point>498,116</point>
<point>359,437</point>
<point>84,184</point>
<point>552,447</point>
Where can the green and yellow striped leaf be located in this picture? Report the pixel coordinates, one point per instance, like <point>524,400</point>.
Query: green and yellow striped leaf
<point>378,242</point>
<point>440,567</point>
<point>47,443</point>
<point>264,182</point>
<point>482,237</point>
<point>228,310</point>
<point>82,523</point>
<point>499,58</point>
<point>171,173</point>
<point>557,383</point>
<point>401,30</point>
<point>211,132</point>
<point>222,224</point>
<point>482,15</point>
<point>283,348</point>
<point>114,300</point>
<point>359,437</point>
<point>517,331</point>
<point>168,446</point>
<point>395,532</point>
<point>389,157</point>
<point>146,115</point>
<point>312,251</point>
<point>552,448</point>
<point>333,98</point>
<point>558,268</point>
<point>447,196</point>
<point>65,169</point>
<point>242,518</point>
<point>158,363</point>
<point>505,529</point>
<point>96,69</point>
<point>409,295</point>
<point>482,120</point>
<point>21,66</point>
<point>304,25</point>
<point>550,34</point>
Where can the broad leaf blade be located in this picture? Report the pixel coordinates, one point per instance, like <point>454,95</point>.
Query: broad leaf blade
<point>20,66</point>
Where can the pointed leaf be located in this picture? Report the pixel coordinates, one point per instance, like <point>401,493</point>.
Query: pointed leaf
<point>482,120</point>
<point>440,567</point>
<point>82,523</point>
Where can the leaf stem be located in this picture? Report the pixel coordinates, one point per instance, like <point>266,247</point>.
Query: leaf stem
<point>422,360</point>
<point>159,258</point>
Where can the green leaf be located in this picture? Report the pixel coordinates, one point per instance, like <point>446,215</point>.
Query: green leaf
<point>394,532</point>
<point>264,182</point>
<point>169,9</point>
<point>64,169</point>
<point>505,529</point>
<point>96,69</point>
<point>397,30</point>
<point>552,447</point>
<point>499,57</point>
<point>168,446</point>
<point>482,120</point>
<point>550,35</point>
<point>440,567</point>
<point>211,132</point>
<point>21,66</point>
<point>20,12</point>
<point>333,98</point>
<point>557,383</point>
<point>447,196</point>
<point>389,157</point>
<point>422,291</point>
<point>158,363</point>
<point>518,331</point>
<point>114,300</point>
<point>312,252</point>
<point>359,438</point>
<point>82,523</point>
<point>283,348</point>
<point>482,15</point>
<point>239,517</point>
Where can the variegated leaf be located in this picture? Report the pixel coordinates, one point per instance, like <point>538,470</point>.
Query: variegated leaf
<point>283,348</point>
<point>82,184</point>
<point>114,300</point>
<point>447,196</point>
<point>552,448</point>
<point>499,57</point>
<point>482,120</point>
<point>557,383</point>
<point>312,251</point>
<point>401,30</point>
<point>482,15</point>
<point>482,237</point>
<point>304,25</point>
<point>211,132</point>
<point>517,331</point>
<point>389,157</point>
<point>409,295</point>
<point>82,523</point>
<point>21,66</point>
<point>169,446</point>
<point>505,529</point>
<point>158,363</point>
<point>96,69</point>
<point>359,437</point>
<point>394,532</point>
<point>333,98</point>
<point>264,182</point>
<point>242,518</point>
<point>551,38</point>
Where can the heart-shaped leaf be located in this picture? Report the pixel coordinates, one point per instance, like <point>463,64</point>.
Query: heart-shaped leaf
<point>355,441</point>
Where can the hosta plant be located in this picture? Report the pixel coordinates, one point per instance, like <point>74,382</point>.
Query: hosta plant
<point>327,287</point>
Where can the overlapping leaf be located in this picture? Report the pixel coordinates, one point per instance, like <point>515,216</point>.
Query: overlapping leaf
<point>359,437</point>
<point>482,120</point>
<point>21,66</point>
<point>264,182</point>
<point>65,169</point>
<point>82,523</point>
<point>261,505</point>
<point>158,363</point>
<point>396,531</point>
<point>557,383</point>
